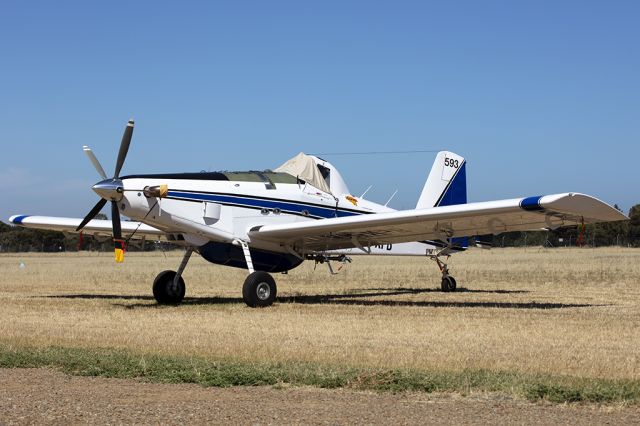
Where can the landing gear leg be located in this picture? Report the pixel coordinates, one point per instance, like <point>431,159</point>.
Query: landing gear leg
<point>169,287</point>
<point>259,289</point>
<point>448,282</point>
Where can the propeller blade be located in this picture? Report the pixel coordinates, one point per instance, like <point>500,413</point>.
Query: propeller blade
<point>124,148</point>
<point>94,211</point>
<point>115,221</point>
<point>118,242</point>
<point>94,161</point>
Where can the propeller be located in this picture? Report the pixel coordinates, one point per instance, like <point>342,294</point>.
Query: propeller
<point>94,211</point>
<point>94,161</point>
<point>110,190</point>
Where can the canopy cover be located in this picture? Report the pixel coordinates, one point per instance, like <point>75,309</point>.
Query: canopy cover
<point>304,167</point>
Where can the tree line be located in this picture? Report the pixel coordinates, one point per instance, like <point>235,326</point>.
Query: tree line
<point>16,239</point>
<point>623,233</point>
<point>627,234</point>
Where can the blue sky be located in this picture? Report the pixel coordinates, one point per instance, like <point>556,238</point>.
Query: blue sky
<point>540,97</point>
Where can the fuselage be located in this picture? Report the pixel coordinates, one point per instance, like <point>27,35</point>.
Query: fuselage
<point>212,211</point>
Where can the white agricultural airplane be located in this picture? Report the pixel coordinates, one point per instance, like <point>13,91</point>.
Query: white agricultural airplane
<point>271,221</point>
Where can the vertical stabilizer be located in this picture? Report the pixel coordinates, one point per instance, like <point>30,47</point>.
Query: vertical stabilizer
<point>447,182</point>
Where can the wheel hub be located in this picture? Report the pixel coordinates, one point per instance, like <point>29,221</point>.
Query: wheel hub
<point>263,291</point>
<point>172,288</point>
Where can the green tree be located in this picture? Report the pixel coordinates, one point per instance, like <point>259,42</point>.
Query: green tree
<point>634,226</point>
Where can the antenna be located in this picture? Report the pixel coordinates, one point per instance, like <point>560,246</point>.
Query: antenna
<point>415,151</point>
<point>391,198</point>
<point>366,190</point>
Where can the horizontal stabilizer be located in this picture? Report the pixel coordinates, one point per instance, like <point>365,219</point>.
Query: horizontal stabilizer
<point>484,241</point>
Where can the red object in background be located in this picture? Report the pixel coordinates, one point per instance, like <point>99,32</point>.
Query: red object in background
<point>579,243</point>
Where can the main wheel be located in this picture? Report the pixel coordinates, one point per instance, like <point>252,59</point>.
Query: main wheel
<point>164,290</point>
<point>448,283</point>
<point>259,290</point>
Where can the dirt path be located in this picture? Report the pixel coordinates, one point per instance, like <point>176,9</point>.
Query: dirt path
<point>41,396</point>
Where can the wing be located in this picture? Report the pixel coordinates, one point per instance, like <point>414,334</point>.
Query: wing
<point>95,227</point>
<point>493,217</point>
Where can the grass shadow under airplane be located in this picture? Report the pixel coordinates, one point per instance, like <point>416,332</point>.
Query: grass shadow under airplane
<point>354,298</point>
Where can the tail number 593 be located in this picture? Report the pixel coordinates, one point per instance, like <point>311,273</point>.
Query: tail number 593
<point>450,162</point>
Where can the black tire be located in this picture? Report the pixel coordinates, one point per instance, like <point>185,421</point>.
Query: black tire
<point>448,283</point>
<point>259,290</point>
<point>163,289</point>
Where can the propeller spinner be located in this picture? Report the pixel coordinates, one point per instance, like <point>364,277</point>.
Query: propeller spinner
<point>110,190</point>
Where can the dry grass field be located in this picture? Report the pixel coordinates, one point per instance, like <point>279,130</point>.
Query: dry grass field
<point>569,312</point>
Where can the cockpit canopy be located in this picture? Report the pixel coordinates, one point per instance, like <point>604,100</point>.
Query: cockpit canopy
<point>306,168</point>
<point>316,172</point>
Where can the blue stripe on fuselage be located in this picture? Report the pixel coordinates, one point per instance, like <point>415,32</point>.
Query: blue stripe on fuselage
<point>255,203</point>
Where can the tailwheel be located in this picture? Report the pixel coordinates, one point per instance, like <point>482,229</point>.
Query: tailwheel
<point>167,290</point>
<point>259,290</point>
<point>448,283</point>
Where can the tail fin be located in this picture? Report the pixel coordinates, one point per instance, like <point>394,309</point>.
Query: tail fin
<point>447,182</point>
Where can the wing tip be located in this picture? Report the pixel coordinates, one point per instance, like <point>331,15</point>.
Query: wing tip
<point>591,208</point>
<point>18,218</point>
